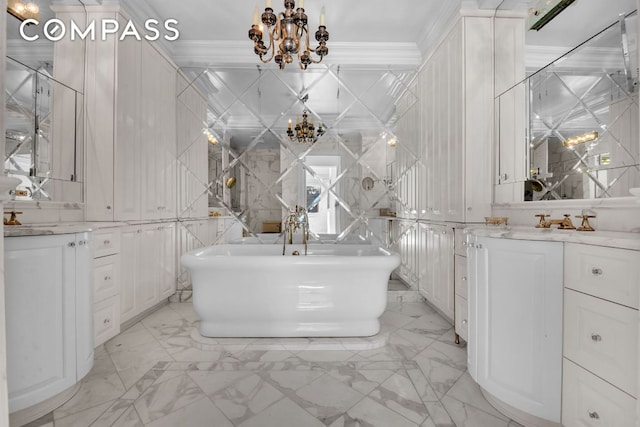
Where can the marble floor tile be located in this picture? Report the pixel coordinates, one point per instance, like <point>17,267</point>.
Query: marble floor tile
<point>161,372</point>
<point>439,415</point>
<point>113,413</point>
<point>83,418</point>
<point>160,400</point>
<point>465,415</point>
<point>326,398</point>
<point>364,381</point>
<point>283,413</point>
<point>398,394</point>
<point>290,381</point>
<point>129,418</point>
<point>201,413</point>
<point>245,398</point>
<point>446,354</point>
<point>467,391</point>
<point>94,390</point>
<point>368,413</point>
<point>441,377</point>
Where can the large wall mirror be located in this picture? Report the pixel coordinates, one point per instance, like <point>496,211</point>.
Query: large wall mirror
<point>44,104</point>
<point>582,119</point>
<point>257,172</point>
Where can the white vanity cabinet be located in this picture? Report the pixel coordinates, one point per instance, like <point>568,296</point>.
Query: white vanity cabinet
<point>600,378</point>
<point>49,301</point>
<point>515,330</point>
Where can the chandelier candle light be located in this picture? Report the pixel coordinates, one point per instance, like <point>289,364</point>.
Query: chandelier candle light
<point>290,31</point>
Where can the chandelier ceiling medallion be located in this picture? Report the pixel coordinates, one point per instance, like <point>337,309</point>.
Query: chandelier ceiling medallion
<point>290,32</point>
<point>304,131</point>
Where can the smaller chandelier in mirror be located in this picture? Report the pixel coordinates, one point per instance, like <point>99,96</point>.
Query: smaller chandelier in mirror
<point>288,34</point>
<point>304,131</point>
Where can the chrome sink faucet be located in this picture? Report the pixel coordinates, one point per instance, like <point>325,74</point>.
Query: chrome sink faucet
<point>296,219</point>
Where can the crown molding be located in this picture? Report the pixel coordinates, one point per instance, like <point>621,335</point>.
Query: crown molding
<point>227,53</point>
<point>431,36</point>
<point>589,58</point>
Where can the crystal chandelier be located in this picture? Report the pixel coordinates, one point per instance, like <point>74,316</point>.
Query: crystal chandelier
<point>290,32</point>
<point>304,130</point>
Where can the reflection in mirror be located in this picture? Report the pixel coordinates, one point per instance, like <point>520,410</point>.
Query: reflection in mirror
<point>247,116</point>
<point>43,148</point>
<point>44,108</point>
<point>583,120</point>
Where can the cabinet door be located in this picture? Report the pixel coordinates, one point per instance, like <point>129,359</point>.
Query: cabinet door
<point>517,311</point>
<point>40,317</point>
<point>84,304</point>
<point>128,137</point>
<point>129,253</point>
<point>167,261</point>
<point>443,280</point>
<point>100,103</point>
<point>147,267</point>
<point>151,139</point>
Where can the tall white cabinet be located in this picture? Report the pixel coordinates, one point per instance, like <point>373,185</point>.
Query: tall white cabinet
<point>131,129</point>
<point>445,132</point>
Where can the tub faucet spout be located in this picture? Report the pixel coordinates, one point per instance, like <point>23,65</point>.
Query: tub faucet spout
<point>296,219</point>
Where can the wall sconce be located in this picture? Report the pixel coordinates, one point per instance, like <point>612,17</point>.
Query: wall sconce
<point>23,11</point>
<point>210,138</point>
<point>231,182</point>
<point>580,139</point>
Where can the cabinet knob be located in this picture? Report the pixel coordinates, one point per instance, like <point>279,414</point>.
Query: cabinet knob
<point>596,271</point>
<point>72,244</point>
<point>464,278</point>
<point>107,242</point>
<point>464,321</point>
<point>596,338</point>
<point>108,208</point>
<point>107,321</point>
<point>593,415</point>
<point>107,278</point>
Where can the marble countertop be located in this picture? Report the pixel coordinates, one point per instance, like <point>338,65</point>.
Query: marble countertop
<point>612,239</point>
<point>57,228</point>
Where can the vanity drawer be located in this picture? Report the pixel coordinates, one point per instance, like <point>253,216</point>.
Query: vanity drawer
<point>106,277</point>
<point>106,320</point>
<point>602,337</point>
<point>588,401</point>
<point>462,282</point>
<point>460,242</point>
<point>106,242</point>
<point>462,317</point>
<point>607,273</point>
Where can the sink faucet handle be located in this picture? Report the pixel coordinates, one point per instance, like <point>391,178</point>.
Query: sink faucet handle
<point>585,226</point>
<point>543,222</point>
<point>13,220</point>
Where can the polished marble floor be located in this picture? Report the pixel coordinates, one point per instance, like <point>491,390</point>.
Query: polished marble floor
<point>162,373</point>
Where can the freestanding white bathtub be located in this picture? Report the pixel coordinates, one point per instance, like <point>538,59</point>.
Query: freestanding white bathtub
<point>255,291</point>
